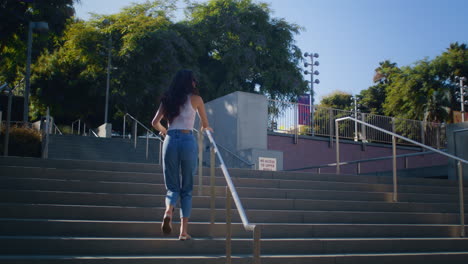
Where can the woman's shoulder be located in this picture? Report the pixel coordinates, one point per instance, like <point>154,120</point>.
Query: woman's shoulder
<point>196,99</point>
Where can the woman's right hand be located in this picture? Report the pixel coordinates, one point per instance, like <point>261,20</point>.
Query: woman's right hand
<point>207,128</point>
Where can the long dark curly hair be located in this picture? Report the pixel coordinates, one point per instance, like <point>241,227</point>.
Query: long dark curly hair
<point>177,93</point>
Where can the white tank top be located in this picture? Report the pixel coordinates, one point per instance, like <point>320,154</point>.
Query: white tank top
<point>186,118</point>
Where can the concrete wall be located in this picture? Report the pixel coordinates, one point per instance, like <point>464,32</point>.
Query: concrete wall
<point>312,151</point>
<point>457,145</point>
<point>239,120</point>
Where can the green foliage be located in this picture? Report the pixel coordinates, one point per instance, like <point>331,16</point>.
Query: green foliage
<point>337,100</point>
<point>424,91</point>
<point>232,45</point>
<point>23,141</point>
<point>14,22</point>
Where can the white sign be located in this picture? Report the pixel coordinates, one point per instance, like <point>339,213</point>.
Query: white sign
<point>268,164</point>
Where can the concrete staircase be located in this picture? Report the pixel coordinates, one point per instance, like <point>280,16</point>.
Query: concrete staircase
<point>103,149</point>
<point>69,211</point>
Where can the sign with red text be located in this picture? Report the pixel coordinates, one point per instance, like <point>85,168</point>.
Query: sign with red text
<point>268,164</point>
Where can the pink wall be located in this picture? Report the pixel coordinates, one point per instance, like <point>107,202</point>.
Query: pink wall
<point>310,152</point>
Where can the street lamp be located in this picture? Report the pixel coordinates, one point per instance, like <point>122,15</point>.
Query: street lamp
<point>461,95</point>
<point>107,22</point>
<point>40,27</point>
<point>317,81</point>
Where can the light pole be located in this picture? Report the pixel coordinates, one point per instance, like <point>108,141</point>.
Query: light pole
<point>461,95</point>
<point>41,27</point>
<point>107,22</point>
<point>317,81</point>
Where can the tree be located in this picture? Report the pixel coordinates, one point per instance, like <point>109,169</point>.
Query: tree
<point>337,100</point>
<point>231,45</point>
<point>426,91</point>
<point>244,48</point>
<point>72,80</point>
<point>371,100</point>
<point>14,21</point>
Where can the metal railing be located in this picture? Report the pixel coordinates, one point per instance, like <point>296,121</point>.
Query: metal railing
<point>294,118</point>
<point>78,131</point>
<point>231,193</point>
<point>395,179</point>
<point>45,135</point>
<point>148,133</point>
<point>234,156</point>
<point>359,162</point>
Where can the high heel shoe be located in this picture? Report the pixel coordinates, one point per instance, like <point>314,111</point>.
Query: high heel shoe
<point>185,237</point>
<point>166,226</point>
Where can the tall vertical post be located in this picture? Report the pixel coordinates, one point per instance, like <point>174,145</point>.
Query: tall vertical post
<point>337,148</point>
<point>28,74</point>
<point>312,73</point>
<point>123,129</point>
<point>461,198</point>
<point>212,185</point>
<point>462,99</point>
<point>7,125</point>
<point>256,244</point>
<point>200,163</point>
<point>356,117</point>
<point>228,226</point>
<point>108,78</point>
<point>135,131</point>
<point>394,163</point>
<point>330,124</point>
<point>296,123</point>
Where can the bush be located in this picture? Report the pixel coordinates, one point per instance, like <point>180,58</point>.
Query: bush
<point>23,141</point>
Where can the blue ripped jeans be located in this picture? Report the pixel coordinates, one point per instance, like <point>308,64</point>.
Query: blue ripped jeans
<point>180,156</point>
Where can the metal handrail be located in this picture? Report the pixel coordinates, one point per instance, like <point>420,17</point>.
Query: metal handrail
<point>148,131</point>
<point>395,185</point>
<point>79,126</point>
<point>361,161</point>
<point>94,133</point>
<point>56,129</point>
<point>252,165</point>
<point>231,191</point>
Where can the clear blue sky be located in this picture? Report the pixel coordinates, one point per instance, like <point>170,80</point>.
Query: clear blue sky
<point>353,36</point>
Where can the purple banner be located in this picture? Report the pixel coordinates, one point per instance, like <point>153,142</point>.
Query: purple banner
<point>304,109</point>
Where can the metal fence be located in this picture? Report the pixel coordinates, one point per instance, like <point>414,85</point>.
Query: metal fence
<point>294,118</point>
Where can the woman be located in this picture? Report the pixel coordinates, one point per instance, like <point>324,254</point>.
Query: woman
<point>179,106</point>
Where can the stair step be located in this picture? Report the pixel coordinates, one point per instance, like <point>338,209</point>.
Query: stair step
<point>57,227</point>
<point>151,200</point>
<point>159,246</point>
<point>38,211</point>
<point>250,192</point>
<point>132,177</point>
<point>382,258</point>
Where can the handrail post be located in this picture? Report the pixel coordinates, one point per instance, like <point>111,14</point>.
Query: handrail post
<point>147,143</point>
<point>212,185</point>
<point>337,148</point>
<point>395,183</point>
<point>330,124</point>
<point>123,130</point>
<point>200,163</point>
<point>45,151</point>
<point>462,201</point>
<point>296,124</point>
<point>256,244</point>
<point>7,127</point>
<point>160,152</point>
<point>135,130</point>
<point>228,226</point>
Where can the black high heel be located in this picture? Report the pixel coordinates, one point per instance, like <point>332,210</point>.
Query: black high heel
<point>166,226</point>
